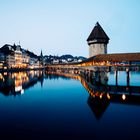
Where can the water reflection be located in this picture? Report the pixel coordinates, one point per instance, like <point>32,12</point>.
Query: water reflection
<point>16,83</point>
<point>98,106</point>
<point>100,95</point>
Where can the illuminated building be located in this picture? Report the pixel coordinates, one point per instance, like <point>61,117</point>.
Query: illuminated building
<point>18,57</point>
<point>10,60</point>
<point>13,56</point>
<point>25,59</point>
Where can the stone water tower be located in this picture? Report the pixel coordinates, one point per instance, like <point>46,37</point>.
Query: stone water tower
<point>97,41</point>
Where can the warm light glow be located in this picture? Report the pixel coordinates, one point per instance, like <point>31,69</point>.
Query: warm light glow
<point>5,73</point>
<point>108,96</point>
<point>124,97</point>
<point>101,96</point>
<point>18,88</point>
<point>1,77</point>
<point>93,96</point>
<point>31,67</point>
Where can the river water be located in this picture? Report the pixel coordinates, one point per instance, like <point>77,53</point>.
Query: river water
<point>38,105</point>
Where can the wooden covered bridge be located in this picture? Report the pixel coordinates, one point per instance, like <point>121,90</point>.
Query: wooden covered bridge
<point>100,64</point>
<point>104,62</point>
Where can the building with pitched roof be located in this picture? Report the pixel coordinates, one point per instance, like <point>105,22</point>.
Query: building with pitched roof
<point>97,41</point>
<point>13,56</point>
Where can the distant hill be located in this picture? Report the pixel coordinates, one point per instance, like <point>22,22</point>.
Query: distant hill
<point>67,58</point>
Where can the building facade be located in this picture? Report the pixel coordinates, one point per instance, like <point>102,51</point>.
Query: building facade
<point>13,56</point>
<point>18,57</point>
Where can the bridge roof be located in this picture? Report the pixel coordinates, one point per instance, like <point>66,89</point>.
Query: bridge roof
<point>127,57</point>
<point>97,33</point>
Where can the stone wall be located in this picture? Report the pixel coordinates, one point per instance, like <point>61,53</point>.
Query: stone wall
<point>95,49</point>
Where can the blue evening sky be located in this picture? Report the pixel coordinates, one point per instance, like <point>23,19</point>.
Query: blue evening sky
<point>62,26</point>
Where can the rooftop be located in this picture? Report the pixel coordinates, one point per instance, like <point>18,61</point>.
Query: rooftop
<point>116,57</point>
<point>97,33</point>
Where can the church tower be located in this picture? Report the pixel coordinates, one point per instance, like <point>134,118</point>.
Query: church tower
<point>97,41</point>
<point>41,59</point>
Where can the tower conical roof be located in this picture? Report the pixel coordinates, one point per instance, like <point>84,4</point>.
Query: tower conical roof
<point>41,54</point>
<point>98,33</point>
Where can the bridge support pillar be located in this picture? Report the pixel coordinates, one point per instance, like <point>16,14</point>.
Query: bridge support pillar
<point>128,76</point>
<point>116,77</point>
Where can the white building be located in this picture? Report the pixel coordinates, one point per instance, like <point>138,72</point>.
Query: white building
<point>25,59</point>
<point>18,57</point>
<point>10,59</point>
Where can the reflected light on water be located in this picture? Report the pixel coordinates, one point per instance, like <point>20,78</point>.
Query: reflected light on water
<point>18,88</point>
<point>5,73</point>
<point>101,96</point>
<point>22,92</point>
<point>80,114</point>
<point>124,97</point>
<point>1,77</point>
<point>108,96</point>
